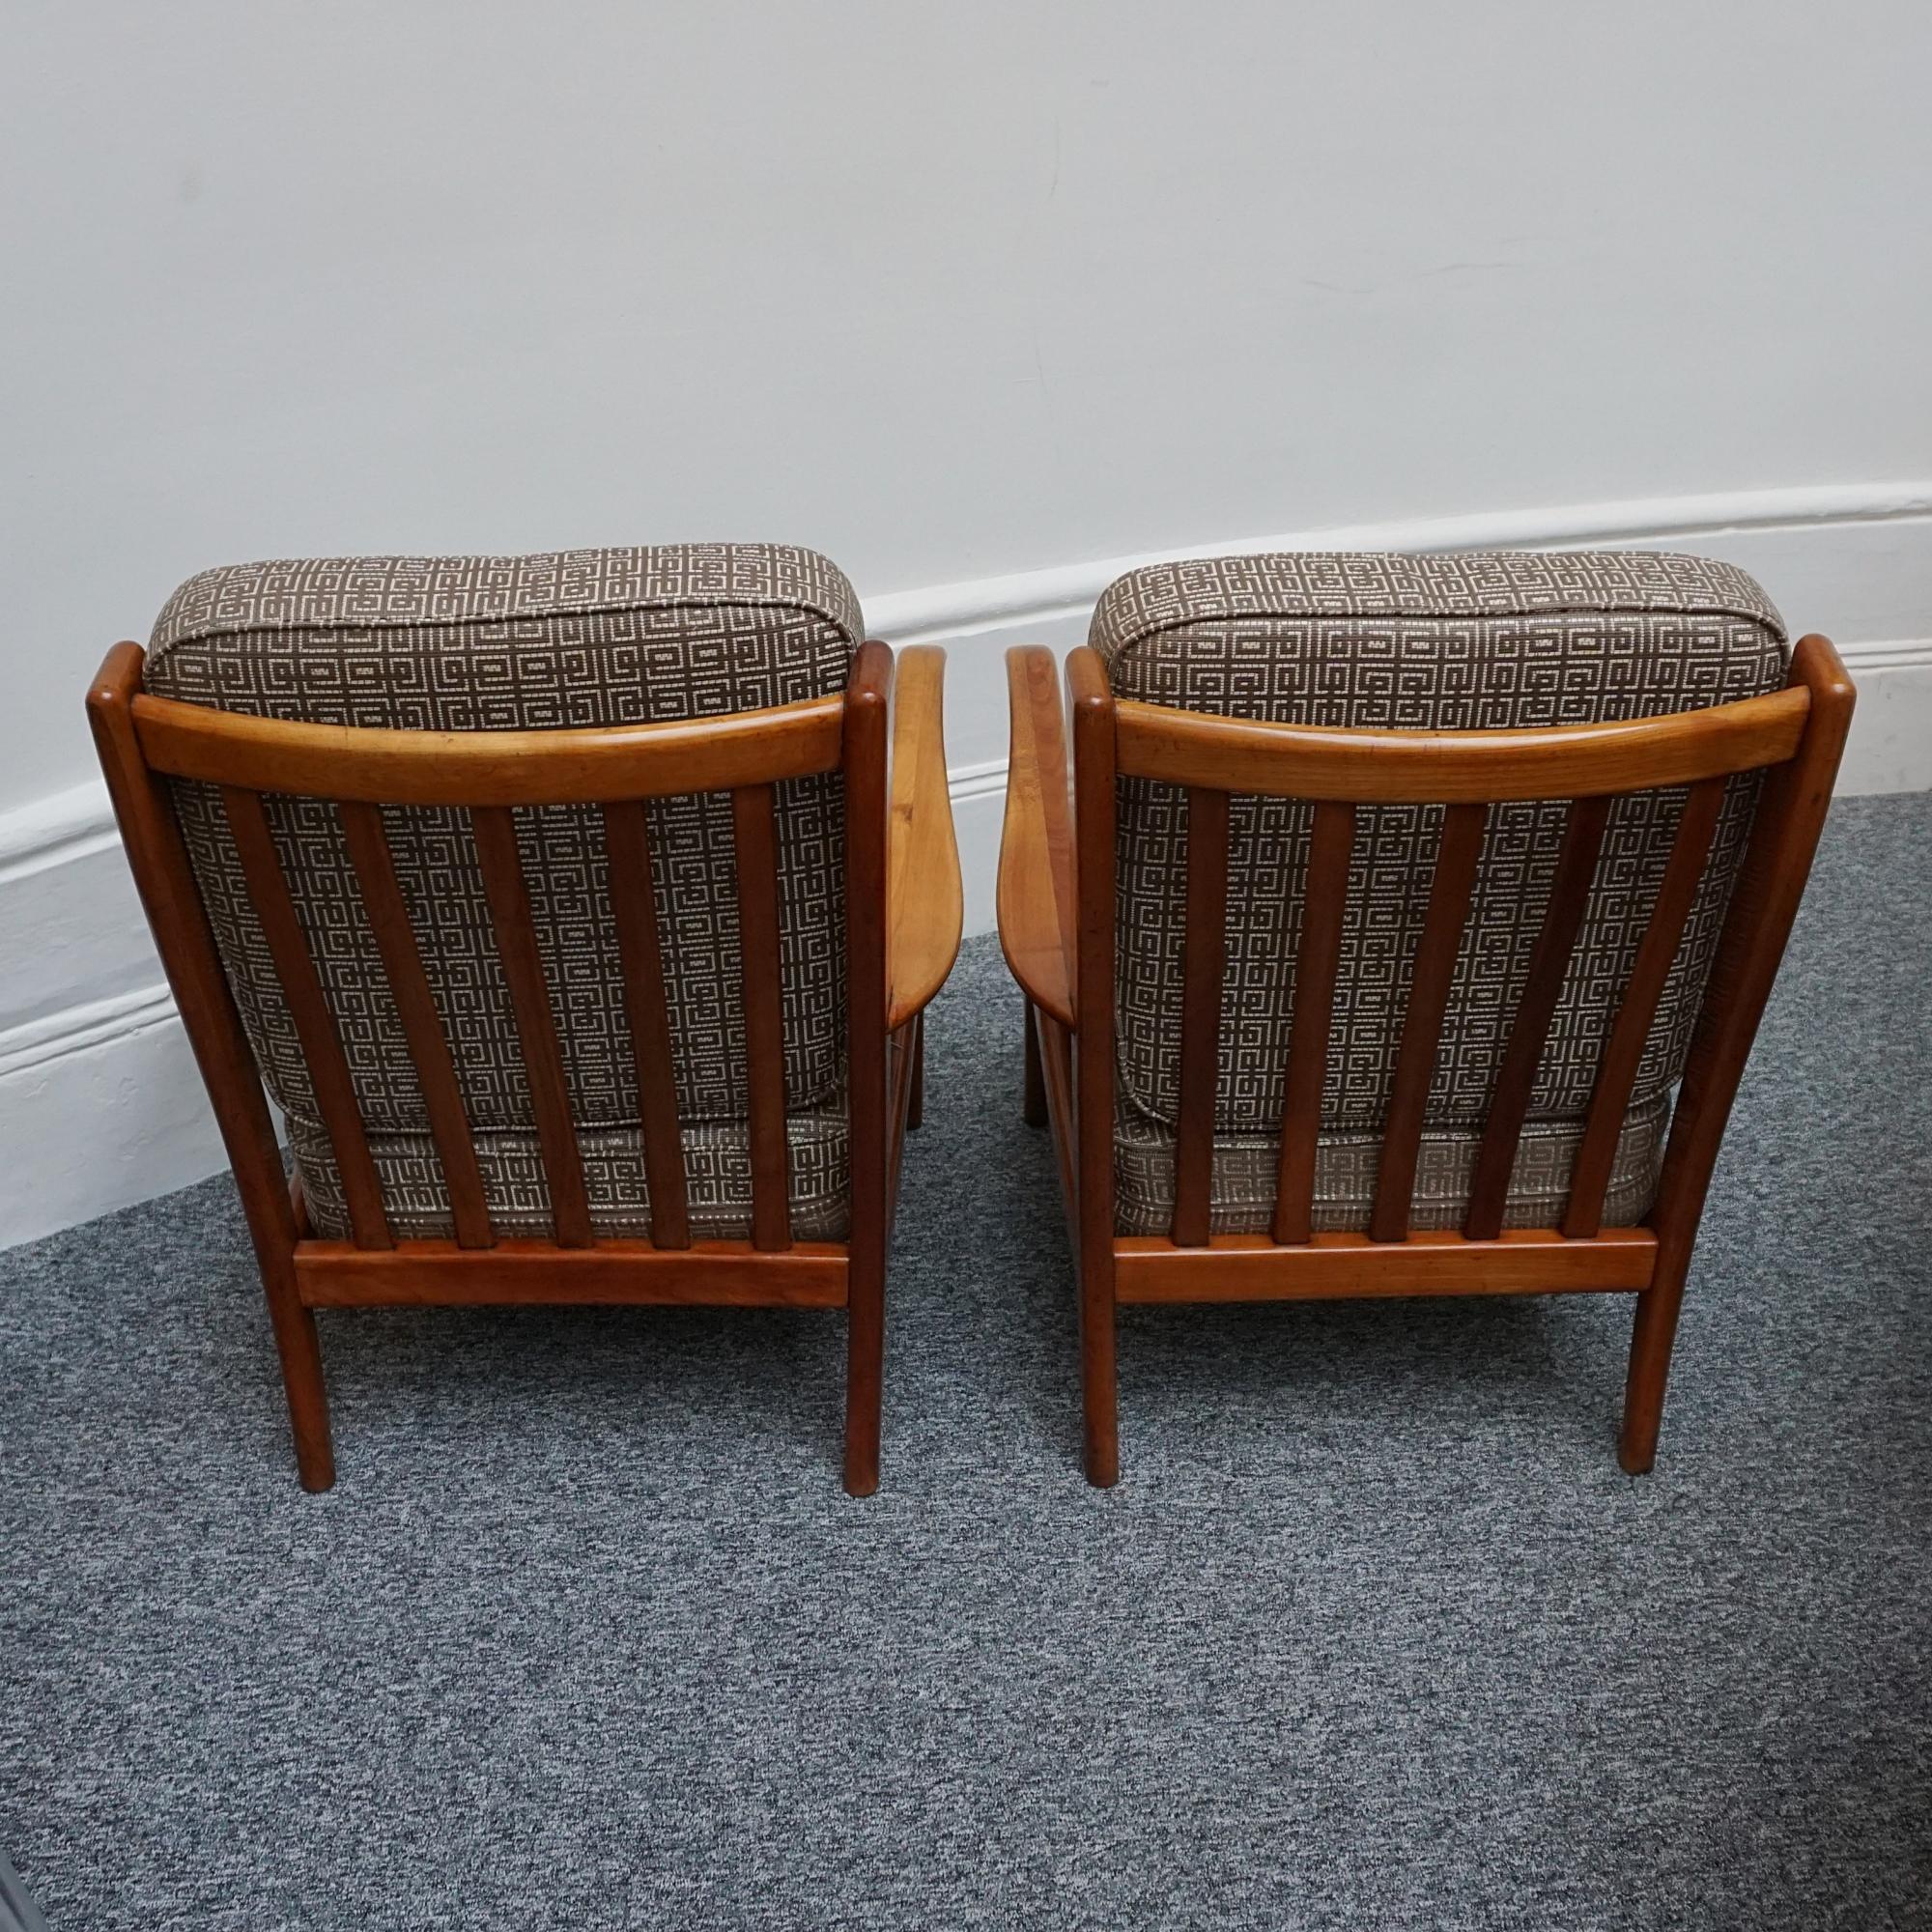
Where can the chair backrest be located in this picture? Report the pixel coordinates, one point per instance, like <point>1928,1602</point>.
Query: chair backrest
<point>1468,938</point>
<point>533,884</point>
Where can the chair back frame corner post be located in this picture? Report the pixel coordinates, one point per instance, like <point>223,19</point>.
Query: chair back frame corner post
<point>868,703</point>
<point>1795,737</point>
<point>1771,881</point>
<point>1090,701</point>
<point>164,879</point>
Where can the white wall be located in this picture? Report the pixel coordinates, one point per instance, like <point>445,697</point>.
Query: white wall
<point>978,298</point>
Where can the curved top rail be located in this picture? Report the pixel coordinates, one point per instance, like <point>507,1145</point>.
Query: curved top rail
<point>1325,761</point>
<point>571,766</point>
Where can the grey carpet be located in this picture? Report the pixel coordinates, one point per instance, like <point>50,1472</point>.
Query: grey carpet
<point>1372,1634</point>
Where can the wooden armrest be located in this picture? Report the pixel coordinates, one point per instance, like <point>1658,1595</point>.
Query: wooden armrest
<point>1035,894</point>
<point>923,902</point>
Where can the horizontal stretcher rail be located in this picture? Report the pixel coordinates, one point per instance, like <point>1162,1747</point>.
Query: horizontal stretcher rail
<point>336,1274</point>
<point>1253,1267</point>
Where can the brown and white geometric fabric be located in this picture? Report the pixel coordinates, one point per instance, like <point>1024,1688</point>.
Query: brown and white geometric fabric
<point>1486,641</point>
<point>482,643</point>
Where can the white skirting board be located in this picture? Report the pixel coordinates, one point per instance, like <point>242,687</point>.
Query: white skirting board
<point>100,1105</point>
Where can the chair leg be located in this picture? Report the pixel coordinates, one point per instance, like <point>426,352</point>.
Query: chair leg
<point>1099,1398</point>
<point>1652,1335</point>
<point>916,1100</point>
<point>301,1351</point>
<point>1034,1105</point>
<point>865,1364</point>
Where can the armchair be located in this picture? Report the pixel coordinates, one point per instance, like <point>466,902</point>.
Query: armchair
<point>1407,925</point>
<point>575,911</point>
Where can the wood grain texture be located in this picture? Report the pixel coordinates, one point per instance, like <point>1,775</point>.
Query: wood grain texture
<point>1312,761</point>
<point>333,1274</point>
<point>1204,962</point>
<point>151,835</point>
<point>1091,704</point>
<point>634,910</point>
<point>495,833</point>
<point>308,1011</point>
<point>1035,897</point>
<point>754,839</point>
<point>1536,1007</point>
<point>874,1098</point>
<point>1629,1032</point>
<point>492,773</point>
<point>1430,979</point>
<point>923,897</point>
<point>1797,733</point>
<point>1325,903</point>
<point>395,938</point>
<point>1776,863</point>
<point>1253,1267</point>
<point>490,768</point>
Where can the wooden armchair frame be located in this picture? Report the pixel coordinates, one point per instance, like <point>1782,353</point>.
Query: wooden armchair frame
<point>1055,911</point>
<point>903,933</point>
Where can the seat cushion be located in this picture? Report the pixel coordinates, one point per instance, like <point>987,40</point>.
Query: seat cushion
<point>1484,641</point>
<point>717,1180</point>
<point>579,637</point>
<point>1346,1165</point>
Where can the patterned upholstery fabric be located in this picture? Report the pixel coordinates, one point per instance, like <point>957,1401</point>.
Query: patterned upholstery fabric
<point>1485,641</point>
<point>579,637</point>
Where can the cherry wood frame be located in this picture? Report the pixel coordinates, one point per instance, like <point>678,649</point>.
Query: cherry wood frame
<point>903,917</point>
<point>1057,925</point>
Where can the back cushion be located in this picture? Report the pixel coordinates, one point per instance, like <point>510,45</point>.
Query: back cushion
<point>1484,641</point>
<point>482,643</point>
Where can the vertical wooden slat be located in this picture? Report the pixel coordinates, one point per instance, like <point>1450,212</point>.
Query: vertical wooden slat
<point>1325,901</point>
<point>423,1026</point>
<point>901,1060</point>
<point>634,907</point>
<point>755,834</point>
<point>1204,963</point>
<point>503,884</point>
<point>308,1009</point>
<point>915,1101</point>
<point>1429,985</point>
<point>1629,1032</point>
<point>1529,1031</point>
<point>1032,1093</point>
